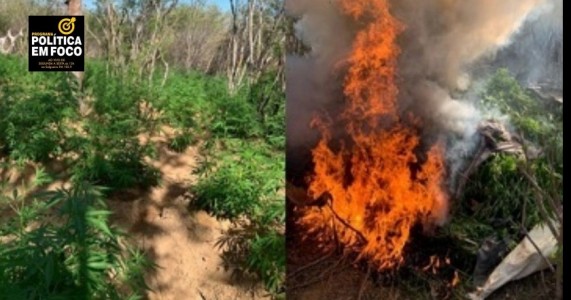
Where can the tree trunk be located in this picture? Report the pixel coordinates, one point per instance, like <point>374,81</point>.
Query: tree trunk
<point>8,41</point>
<point>74,9</point>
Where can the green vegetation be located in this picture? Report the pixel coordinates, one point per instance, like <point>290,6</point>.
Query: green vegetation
<point>241,176</point>
<point>59,245</point>
<point>32,111</point>
<point>241,137</point>
<point>107,143</point>
<point>151,67</point>
<point>509,194</point>
<point>40,121</point>
<point>243,163</point>
<point>245,185</point>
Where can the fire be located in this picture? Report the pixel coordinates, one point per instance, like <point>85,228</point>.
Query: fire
<point>436,263</point>
<point>455,280</point>
<point>376,188</point>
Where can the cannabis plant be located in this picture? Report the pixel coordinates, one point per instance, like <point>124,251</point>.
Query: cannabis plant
<point>242,181</point>
<point>59,245</point>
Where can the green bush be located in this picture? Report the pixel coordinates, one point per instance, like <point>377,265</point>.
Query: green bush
<point>501,193</point>
<point>245,176</point>
<point>532,117</point>
<point>196,104</point>
<point>269,99</point>
<point>34,109</point>
<point>110,154</point>
<point>180,142</point>
<point>108,145</point>
<point>241,175</point>
<point>242,181</point>
<point>235,116</point>
<point>254,111</point>
<point>182,100</point>
<point>498,194</point>
<point>39,121</point>
<point>184,106</point>
<point>251,248</point>
<point>266,257</point>
<point>73,254</point>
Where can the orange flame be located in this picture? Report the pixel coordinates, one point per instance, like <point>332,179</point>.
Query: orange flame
<point>375,196</point>
<point>455,280</point>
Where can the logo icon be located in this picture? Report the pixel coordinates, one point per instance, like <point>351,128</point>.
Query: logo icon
<point>66,25</point>
<point>56,43</point>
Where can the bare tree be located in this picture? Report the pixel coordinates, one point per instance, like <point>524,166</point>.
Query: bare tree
<point>199,31</point>
<point>257,32</point>
<point>135,33</point>
<point>74,8</point>
<point>8,41</point>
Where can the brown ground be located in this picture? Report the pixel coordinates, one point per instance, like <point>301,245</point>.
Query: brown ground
<point>328,277</point>
<point>180,241</point>
<point>343,282</point>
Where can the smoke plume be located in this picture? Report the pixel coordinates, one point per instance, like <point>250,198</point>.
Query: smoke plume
<point>443,40</point>
<point>535,56</point>
<point>313,80</point>
<point>442,43</point>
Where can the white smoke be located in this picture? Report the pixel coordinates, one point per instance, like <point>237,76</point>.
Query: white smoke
<point>443,43</point>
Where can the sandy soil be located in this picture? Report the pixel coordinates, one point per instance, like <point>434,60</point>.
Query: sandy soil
<point>181,242</point>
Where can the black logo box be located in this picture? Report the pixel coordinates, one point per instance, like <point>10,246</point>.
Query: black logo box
<point>50,24</point>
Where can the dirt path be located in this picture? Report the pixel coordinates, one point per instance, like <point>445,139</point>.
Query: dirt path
<point>179,241</point>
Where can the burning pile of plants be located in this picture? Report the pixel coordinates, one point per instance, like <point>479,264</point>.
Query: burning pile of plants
<point>410,149</point>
